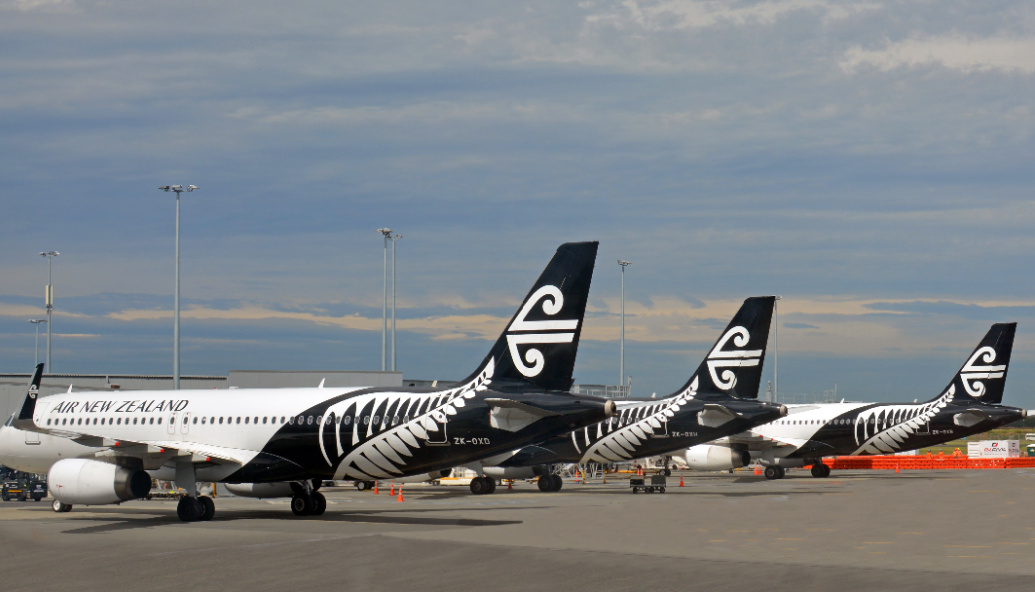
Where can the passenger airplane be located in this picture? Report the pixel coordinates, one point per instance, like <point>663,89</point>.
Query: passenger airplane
<point>287,441</point>
<point>717,401</point>
<point>969,405</point>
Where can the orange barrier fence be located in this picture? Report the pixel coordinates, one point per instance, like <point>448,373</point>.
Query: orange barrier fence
<point>927,461</point>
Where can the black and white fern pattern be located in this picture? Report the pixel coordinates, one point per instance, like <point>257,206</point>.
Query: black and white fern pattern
<point>619,438</point>
<point>884,429</point>
<point>397,424</point>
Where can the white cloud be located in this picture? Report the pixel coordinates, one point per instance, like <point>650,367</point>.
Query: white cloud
<point>681,14</point>
<point>953,52</point>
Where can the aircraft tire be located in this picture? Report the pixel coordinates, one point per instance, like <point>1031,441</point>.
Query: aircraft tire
<point>491,483</point>
<point>319,504</point>
<point>772,472</point>
<point>208,508</point>
<point>301,505</point>
<point>780,472</point>
<point>189,509</point>
<point>479,486</point>
<point>545,483</point>
<point>820,470</point>
<point>61,507</point>
<point>558,483</point>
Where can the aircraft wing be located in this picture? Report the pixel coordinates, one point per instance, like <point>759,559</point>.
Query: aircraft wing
<point>752,441</point>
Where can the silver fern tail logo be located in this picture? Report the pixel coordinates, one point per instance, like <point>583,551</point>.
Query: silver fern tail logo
<point>973,374</point>
<point>522,332</point>
<point>722,359</point>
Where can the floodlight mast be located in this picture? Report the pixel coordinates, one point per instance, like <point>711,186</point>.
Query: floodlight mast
<point>37,323</point>
<point>49,298</point>
<point>178,189</point>
<point>395,237</point>
<point>387,234</point>
<point>621,382</point>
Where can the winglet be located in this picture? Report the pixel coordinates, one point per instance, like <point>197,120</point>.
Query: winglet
<point>29,406</point>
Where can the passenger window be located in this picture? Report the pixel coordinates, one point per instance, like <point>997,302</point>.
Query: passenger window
<point>202,421</point>
<point>377,420</point>
<point>195,421</point>
<point>246,421</point>
<point>159,421</point>
<point>118,421</point>
<point>348,419</point>
<point>220,420</point>
<point>366,420</point>
<point>263,421</point>
<point>309,420</point>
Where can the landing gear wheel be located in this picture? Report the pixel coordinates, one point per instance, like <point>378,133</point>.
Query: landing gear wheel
<point>666,472</point>
<point>479,486</point>
<point>319,504</point>
<point>301,505</point>
<point>820,470</point>
<point>189,509</point>
<point>208,508</point>
<point>60,507</point>
<point>491,483</point>
<point>545,483</point>
<point>781,472</point>
<point>772,472</point>
<point>558,483</point>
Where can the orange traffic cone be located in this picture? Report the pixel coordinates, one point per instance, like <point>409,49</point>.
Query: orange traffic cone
<point>400,494</point>
<point>510,485</point>
<point>758,469</point>
<point>896,467</point>
<point>376,492</point>
<point>392,490</point>
<point>680,481</point>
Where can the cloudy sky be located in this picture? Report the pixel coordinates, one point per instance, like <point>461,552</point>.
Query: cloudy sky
<point>871,162</point>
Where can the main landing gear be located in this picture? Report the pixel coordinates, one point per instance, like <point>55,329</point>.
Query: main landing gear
<point>61,507</point>
<point>189,509</point>
<point>550,483</point>
<point>774,472</point>
<point>307,501</point>
<point>483,485</point>
<point>820,470</point>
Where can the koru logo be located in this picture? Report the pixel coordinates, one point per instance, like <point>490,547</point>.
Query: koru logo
<point>522,332</point>
<point>33,389</point>
<point>973,374</point>
<point>734,358</point>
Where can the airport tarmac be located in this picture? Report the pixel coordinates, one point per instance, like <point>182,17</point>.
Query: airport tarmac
<point>857,530</point>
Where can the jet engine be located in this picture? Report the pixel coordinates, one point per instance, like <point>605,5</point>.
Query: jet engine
<point>93,483</point>
<point>707,457</point>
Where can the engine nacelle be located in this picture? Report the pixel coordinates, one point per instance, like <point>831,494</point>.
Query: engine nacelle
<point>260,490</point>
<point>511,472</point>
<point>707,457</point>
<point>94,483</point>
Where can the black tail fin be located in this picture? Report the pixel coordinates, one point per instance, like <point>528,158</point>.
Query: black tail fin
<point>29,406</point>
<point>734,364</point>
<point>539,344</point>
<point>983,375</point>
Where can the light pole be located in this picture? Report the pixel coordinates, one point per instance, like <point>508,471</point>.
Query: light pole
<point>49,298</point>
<point>387,234</point>
<point>178,189</point>
<point>776,350</point>
<point>37,323</point>
<point>621,380</point>
<point>395,237</point>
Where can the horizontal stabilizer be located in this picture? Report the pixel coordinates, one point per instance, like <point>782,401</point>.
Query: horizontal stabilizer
<point>970,417</point>
<point>512,416</point>
<point>714,415</point>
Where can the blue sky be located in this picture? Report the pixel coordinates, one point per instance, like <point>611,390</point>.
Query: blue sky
<point>869,161</point>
